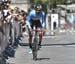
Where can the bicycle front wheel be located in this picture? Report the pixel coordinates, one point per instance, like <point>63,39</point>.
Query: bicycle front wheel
<point>35,48</point>
<point>34,55</point>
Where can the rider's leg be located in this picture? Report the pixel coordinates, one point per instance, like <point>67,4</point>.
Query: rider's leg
<point>30,39</point>
<point>40,37</point>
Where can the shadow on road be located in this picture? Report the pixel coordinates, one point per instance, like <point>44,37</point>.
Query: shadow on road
<point>58,44</point>
<point>43,59</point>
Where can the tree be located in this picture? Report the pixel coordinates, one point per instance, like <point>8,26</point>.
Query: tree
<point>50,3</point>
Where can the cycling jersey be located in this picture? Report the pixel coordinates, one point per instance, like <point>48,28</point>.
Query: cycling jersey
<point>34,16</point>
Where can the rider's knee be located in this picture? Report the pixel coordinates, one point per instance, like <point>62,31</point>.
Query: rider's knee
<point>31,34</point>
<point>40,33</point>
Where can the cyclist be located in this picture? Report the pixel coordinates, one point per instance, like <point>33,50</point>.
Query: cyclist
<point>36,18</point>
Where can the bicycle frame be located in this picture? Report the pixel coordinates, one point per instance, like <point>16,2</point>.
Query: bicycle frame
<point>35,45</point>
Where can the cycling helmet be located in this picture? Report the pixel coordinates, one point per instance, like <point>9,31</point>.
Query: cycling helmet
<point>38,8</point>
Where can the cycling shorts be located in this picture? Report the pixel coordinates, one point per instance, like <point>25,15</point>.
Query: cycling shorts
<point>36,23</point>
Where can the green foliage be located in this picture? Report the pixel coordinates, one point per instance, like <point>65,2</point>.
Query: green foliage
<point>51,3</point>
<point>61,1</point>
<point>38,1</point>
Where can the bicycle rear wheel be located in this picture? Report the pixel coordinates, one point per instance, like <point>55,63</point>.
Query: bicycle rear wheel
<point>35,48</point>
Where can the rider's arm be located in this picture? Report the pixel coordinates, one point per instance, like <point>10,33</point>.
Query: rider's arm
<point>28,20</point>
<point>43,20</point>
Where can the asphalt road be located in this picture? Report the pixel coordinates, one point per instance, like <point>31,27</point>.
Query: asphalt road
<point>59,49</point>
